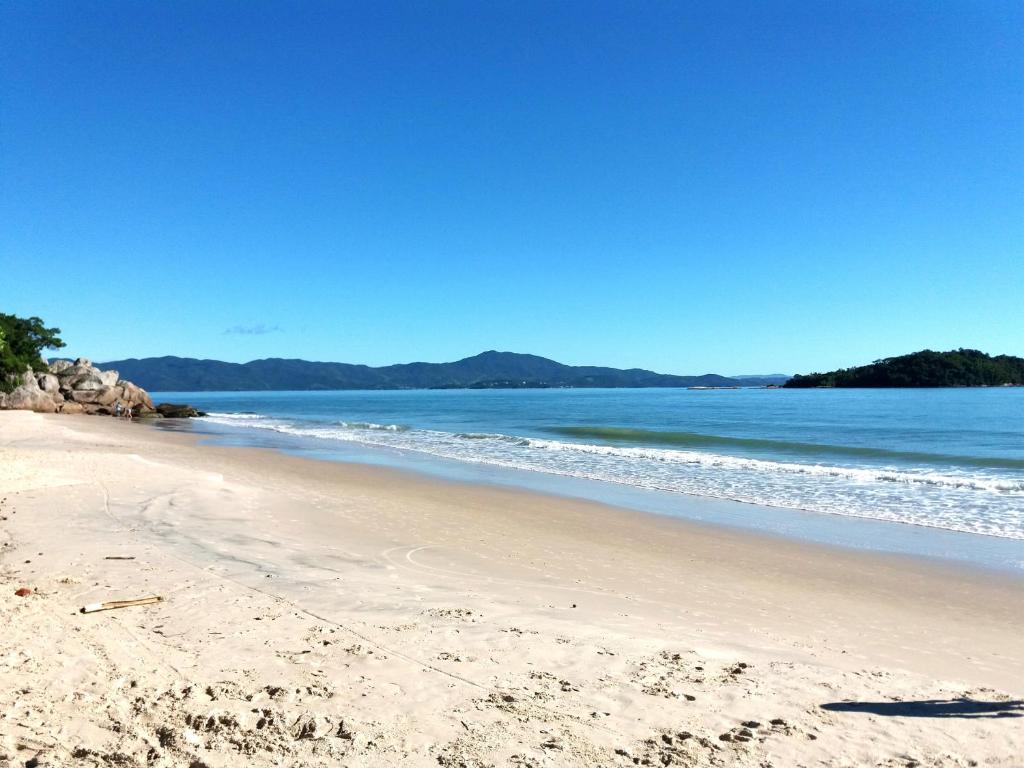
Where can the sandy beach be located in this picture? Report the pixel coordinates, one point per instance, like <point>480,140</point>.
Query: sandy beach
<point>317,613</point>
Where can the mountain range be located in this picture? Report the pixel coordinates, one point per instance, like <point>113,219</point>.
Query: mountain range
<point>488,370</point>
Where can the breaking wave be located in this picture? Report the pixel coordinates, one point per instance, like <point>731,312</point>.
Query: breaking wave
<point>370,425</point>
<point>695,440</point>
<point>983,500</point>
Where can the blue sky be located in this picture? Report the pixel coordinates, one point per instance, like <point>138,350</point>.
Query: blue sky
<point>687,187</point>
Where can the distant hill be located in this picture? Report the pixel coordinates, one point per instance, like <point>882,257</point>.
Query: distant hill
<point>958,368</point>
<point>497,370</point>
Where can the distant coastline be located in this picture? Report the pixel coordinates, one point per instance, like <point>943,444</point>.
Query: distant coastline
<point>510,370</point>
<point>488,370</point>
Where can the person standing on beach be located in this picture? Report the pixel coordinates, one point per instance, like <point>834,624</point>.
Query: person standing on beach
<point>117,409</point>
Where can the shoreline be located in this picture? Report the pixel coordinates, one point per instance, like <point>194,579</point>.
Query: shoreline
<point>678,524</point>
<point>985,553</point>
<point>599,623</point>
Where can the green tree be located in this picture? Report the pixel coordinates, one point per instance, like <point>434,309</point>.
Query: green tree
<point>22,341</point>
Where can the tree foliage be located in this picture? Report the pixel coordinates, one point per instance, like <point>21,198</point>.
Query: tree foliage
<point>22,341</point>
<point>958,368</point>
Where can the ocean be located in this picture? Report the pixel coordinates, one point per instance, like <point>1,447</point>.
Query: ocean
<point>937,472</point>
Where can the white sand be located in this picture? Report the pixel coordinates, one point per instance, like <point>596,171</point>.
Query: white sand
<point>322,614</point>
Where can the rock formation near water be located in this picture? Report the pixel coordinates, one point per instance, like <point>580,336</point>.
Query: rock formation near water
<point>75,387</point>
<point>177,411</point>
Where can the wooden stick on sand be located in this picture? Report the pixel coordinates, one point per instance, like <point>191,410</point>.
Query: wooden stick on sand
<point>93,607</point>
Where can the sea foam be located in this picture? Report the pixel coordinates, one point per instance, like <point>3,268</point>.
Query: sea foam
<point>981,501</point>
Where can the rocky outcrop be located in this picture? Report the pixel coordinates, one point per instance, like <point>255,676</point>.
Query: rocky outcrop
<point>175,411</point>
<point>76,387</point>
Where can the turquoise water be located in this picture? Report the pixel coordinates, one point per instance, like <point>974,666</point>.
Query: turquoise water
<point>949,460</point>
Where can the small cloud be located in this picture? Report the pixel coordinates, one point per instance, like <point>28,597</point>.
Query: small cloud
<point>254,330</point>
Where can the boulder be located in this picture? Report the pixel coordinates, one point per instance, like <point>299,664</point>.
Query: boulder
<point>72,407</point>
<point>177,411</point>
<point>48,382</point>
<point>136,397</point>
<point>59,366</point>
<point>109,395</point>
<point>85,395</point>
<point>109,378</point>
<point>81,381</point>
<point>76,370</point>
<point>84,362</point>
<point>27,397</point>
